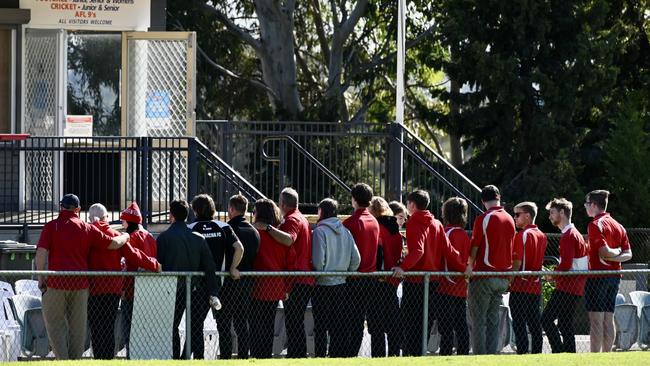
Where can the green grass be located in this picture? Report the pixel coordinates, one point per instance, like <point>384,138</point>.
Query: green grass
<point>584,359</point>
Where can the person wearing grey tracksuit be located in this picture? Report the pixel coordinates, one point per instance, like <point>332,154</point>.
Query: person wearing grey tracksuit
<point>333,250</point>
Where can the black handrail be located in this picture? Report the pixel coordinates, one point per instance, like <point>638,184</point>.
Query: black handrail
<point>306,153</point>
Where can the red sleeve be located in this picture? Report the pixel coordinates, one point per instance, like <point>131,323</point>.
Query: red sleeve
<point>291,226</point>
<point>135,257</point>
<point>415,236</point>
<point>452,256</point>
<point>477,232</point>
<point>596,237</point>
<point>625,244</point>
<point>46,237</point>
<point>567,253</point>
<point>98,238</point>
<point>518,247</point>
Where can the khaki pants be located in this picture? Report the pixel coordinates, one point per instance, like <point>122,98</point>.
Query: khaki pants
<point>65,313</point>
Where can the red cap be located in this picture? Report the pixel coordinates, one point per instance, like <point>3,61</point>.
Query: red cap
<point>132,214</point>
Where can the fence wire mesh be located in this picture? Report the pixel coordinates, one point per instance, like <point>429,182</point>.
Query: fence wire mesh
<point>139,315</point>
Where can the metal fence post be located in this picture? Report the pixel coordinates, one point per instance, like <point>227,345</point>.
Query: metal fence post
<point>188,317</point>
<point>395,162</point>
<point>425,315</point>
<point>144,190</point>
<point>192,171</point>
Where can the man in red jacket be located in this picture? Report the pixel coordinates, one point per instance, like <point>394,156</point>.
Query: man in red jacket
<point>526,292</point>
<point>491,251</point>
<point>428,248</point>
<point>568,289</point>
<point>363,290</point>
<point>608,247</point>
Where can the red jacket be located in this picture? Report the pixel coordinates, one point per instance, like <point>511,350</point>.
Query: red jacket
<point>271,256</point>
<point>529,248</point>
<point>456,285</point>
<point>103,259</point>
<point>390,242</point>
<point>428,246</point>
<point>604,230</point>
<point>296,225</point>
<point>365,231</point>
<point>143,241</point>
<point>494,249</point>
<point>573,257</point>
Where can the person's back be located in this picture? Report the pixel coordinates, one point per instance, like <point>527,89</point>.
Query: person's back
<point>334,250</point>
<point>250,239</point>
<point>365,231</point>
<point>493,234</point>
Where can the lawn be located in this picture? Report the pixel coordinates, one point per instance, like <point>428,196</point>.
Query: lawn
<point>626,359</point>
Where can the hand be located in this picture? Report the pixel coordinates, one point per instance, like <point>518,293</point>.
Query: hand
<point>234,274</point>
<point>42,284</point>
<point>468,271</point>
<point>159,268</point>
<point>398,272</point>
<point>215,303</point>
<point>286,296</point>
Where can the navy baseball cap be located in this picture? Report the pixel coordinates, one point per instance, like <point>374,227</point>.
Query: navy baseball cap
<point>70,201</point>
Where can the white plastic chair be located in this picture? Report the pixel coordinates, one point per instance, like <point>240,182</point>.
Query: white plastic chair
<point>28,313</point>
<point>6,290</point>
<point>626,322</point>
<point>641,299</point>
<point>28,287</point>
<point>9,333</point>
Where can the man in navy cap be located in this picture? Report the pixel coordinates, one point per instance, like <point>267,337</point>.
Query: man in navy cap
<point>64,246</point>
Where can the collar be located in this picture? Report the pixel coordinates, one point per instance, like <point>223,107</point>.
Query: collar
<point>604,213</point>
<point>447,227</point>
<point>567,228</point>
<point>65,214</point>
<point>495,208</point>
<point>238,218</point>
<point>531,226</point>
<point>291,212</point>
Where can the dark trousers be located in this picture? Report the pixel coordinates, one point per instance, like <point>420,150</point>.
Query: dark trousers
<point>388,322</point>
<point>199,308</point>
<point>235,299</point>
<point>295,308</point>
<point>262,328</point>
<point>452,320</point>
<point>412,308</point>
<point>102,311</point>
<point>362,297</point>
<point>525,310</point>
<point>329,306</point>
<point>127,315</point>
<point>561,306</point>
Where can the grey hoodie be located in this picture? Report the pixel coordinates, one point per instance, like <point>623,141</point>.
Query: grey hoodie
<point>333,249</point>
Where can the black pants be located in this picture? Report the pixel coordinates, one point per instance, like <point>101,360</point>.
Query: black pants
<point>235,299</point>
<point>362,296</point>
<point>525,311</point>
<point>329,306</point>
<point>452,320</point>
<point>127,315</point>
<point>102,311</point>
<point>262,328</point>
<point>388,322</point>
<point>295,308</point>
<point>200,306</point>
<point>412,307</point>
<point>561,306</point>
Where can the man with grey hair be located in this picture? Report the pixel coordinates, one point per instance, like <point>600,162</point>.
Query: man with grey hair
<point>294,231</point>
<point>526,292</point>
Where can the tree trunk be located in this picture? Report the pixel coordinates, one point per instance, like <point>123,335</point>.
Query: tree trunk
<point>456,148</point>
<point>277,57</point>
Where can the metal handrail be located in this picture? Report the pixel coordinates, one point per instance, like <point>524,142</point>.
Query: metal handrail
<point>307,154</point>
<point>439,157</point>
<point>431,169</point>
<point>240,182</point>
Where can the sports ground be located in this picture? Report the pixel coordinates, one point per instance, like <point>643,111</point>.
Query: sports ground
<point>584,359</point>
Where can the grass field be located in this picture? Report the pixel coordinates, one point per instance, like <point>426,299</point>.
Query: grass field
<point>584,359</point>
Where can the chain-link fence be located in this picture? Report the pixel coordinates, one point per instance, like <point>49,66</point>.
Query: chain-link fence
<point>281,314</point>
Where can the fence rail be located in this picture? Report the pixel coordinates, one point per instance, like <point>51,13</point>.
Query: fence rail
<point>347,314</point>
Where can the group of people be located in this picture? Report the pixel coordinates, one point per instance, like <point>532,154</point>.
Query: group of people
<point>280,238</point>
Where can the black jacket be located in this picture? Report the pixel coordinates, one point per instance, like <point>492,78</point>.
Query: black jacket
<point>181,249</point>
<point>250,239</point>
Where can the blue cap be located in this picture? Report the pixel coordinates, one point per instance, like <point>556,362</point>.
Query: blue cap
<point>70,201</point>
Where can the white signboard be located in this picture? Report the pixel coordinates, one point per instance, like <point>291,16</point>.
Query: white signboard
<point>118,15</point>
<point>78,126</point>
